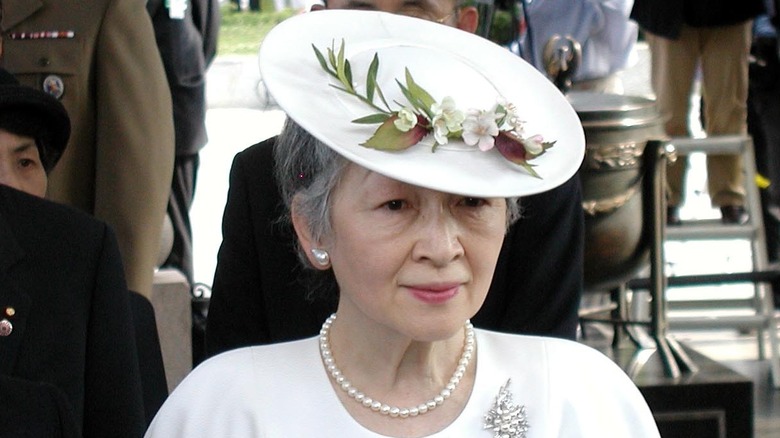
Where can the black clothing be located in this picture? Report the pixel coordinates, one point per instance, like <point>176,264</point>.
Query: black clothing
<point>187,47</point>
<point>63,290</point>
<point>34,409</point>
<point>666,17</point>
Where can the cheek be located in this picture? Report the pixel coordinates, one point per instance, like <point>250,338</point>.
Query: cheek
<point>485,244</point>
<point>38,184</point>
<point>483,254</point>
<point>364,251</point>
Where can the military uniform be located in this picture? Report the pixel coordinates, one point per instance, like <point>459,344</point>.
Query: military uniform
<point>100,59</point>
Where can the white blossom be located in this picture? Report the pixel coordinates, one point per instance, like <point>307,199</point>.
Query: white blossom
<point>406,120</point>
<point>446,119</point>
<point>533,144</point>
<point>480,128</point>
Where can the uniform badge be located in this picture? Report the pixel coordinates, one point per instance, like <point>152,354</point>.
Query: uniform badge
<point>6,327</point>
<point>54,86</point>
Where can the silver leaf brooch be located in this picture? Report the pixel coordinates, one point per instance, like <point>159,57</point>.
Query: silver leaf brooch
<point>506,419</point>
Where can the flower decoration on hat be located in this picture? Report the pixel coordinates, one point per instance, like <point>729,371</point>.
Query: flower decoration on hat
<point>425,120</point>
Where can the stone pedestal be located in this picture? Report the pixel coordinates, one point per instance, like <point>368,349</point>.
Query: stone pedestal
<point>171,301</point>
<point>714,402</point>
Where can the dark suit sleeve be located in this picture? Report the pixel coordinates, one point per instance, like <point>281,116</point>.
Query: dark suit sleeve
<point>181,47</point>
<point>539,276</point>
<point>113,398</point>
<point>34,409</point>
<point>236,317</point>
<point>206,16</point>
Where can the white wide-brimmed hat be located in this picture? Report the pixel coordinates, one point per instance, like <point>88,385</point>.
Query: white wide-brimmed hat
<point>441,108</point>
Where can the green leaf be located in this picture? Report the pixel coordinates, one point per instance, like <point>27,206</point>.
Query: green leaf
<point>419,94</point>
<point>530,169</point>
<point>340,69</point>
<point>388,138</point>
<point>348,74</point>
<point>320,58</point>
<point>371,77</point>
<point>332,57</point>
<point>382,98</point>
<point>373,119</point>
<point>415,104</point>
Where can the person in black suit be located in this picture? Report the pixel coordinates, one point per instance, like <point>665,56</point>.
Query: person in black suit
<point>64,312</point>
<point>65,318</point>
<point>259,294</point>
<point>186,32</point>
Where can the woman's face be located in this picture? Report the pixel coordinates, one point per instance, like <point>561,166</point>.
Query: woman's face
<point>20,164</point>
<point>414,260</point>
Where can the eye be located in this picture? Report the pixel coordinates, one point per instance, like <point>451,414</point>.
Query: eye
<point>395,205</point>
<point>474,202</point>
<point>27,162</point>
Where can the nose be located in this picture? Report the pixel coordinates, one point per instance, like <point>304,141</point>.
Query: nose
<point>439,239</point>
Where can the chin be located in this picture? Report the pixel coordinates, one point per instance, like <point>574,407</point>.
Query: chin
<point>437,327</point>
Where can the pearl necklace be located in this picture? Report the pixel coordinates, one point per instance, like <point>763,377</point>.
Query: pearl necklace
<point>383,408</point>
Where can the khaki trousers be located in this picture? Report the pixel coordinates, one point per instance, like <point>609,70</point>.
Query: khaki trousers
<point>722,52</point>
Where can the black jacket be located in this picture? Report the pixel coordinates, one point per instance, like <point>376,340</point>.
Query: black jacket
<point>666,17</point>
<point>257,297</point>
<point>62,289</point>
<point>187,47</point>
<point>34,409</point>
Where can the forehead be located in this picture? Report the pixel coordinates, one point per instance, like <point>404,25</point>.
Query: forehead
<point>357,182</point>
<point>10,142</point>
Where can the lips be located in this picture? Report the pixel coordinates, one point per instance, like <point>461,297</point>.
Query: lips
<point>434,294</point>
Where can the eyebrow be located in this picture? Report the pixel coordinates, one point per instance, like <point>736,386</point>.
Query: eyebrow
<point>359,4</point>
<point>24,147</point>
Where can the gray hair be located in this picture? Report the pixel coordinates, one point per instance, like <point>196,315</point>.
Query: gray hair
<point>307,171</point>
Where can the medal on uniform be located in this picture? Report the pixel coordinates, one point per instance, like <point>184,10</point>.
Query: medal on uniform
<point>6,328</point>
<point>54,86</point>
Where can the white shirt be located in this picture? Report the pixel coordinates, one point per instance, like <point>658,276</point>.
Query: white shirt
<point>282,390</point>
<point>602,27</point>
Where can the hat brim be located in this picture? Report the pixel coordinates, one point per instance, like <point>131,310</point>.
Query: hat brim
<point>53,113</point>
<point>483,72</point>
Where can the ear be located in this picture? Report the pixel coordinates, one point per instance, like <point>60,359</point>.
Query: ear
<point>468,19</point>
<point>305,238</point>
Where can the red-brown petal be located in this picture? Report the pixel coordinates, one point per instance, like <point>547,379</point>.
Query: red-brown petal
<point>511,147</point>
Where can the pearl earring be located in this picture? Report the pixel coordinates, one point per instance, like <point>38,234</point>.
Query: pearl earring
<point>321,256</point>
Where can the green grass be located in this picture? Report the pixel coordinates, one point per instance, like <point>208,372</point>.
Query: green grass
<point>241,33</point>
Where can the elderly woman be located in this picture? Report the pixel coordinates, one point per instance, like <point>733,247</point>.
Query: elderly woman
<point>401,165</point>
